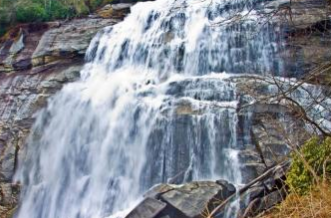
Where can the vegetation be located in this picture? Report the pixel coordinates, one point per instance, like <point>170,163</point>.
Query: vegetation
<point>308,196</point>
<point>317,154</point>
<point>316,203</point>
<point>23,11</point>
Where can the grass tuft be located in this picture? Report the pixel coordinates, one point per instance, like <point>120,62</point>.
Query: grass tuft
<point>315,204</point>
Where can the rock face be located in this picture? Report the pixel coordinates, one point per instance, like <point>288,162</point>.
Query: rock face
<point>231,109</point>
<point>308,37</point>
<point>21,96</point>
<point>36,60</point>
<point>35,45</point>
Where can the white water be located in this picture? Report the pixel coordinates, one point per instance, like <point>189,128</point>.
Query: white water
<point>148,108</point>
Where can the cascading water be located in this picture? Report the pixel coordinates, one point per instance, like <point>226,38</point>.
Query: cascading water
<point>148,108</point>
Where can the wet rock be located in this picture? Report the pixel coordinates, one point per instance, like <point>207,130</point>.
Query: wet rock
<point>190,200</point>
<point>194,199</point>
<point>228,187</point>
<point>157,190</point>
<point>212,104</point>
<point>20,97</point>
<point>148,208</point>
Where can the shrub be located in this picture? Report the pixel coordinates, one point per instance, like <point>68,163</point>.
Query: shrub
<point>316,153</point>
<point>58,10</point>
<point>30,13</point>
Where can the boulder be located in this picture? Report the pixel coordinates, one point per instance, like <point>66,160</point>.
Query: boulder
<point>190,200</point>
<point>196,198</point>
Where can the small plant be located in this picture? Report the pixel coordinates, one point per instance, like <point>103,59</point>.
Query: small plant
<point>317,154</point>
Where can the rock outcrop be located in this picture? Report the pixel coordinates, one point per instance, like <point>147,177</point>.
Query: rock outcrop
<point>307,33</point>
<point>36,47</point>
<point>190,200</point>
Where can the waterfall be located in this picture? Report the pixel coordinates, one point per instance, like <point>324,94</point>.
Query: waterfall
<point>153,105</point>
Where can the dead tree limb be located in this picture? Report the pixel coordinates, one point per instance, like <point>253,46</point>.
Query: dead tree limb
<point>249,185</point>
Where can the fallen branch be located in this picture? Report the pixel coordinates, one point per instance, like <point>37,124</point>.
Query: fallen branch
<point>246,187</point>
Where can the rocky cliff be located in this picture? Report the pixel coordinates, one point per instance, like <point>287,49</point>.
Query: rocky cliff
<point>36,60</point>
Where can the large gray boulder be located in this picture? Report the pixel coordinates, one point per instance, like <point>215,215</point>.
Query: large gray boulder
<point>190,200</point>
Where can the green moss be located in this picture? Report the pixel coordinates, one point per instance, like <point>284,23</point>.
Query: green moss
<point>315,152</point>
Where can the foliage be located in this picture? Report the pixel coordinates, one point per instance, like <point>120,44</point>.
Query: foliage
<point>30,13</point>
<point>317,154</point>
<point>27,11</point>
<point>37,10</point>
<point>57,10</point>
<point>45,10</point>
